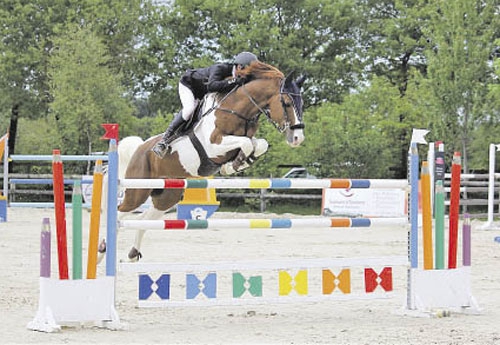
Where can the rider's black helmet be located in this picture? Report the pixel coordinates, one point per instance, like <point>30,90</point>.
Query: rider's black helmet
<point>244,58</point>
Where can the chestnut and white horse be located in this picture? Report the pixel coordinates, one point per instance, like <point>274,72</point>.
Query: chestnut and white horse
<point>223,141</point>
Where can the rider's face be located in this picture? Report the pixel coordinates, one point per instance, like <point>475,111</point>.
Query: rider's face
<point>238,69</point>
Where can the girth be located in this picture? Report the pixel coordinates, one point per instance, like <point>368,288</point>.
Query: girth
<point>207,166</point>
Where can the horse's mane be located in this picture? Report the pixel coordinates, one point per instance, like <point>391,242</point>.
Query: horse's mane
<point>261,70</point>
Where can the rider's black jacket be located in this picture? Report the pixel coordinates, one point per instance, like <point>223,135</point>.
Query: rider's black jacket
<point>210,79</point>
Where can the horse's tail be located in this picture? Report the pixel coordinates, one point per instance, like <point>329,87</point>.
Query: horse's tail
<point>126,148</point>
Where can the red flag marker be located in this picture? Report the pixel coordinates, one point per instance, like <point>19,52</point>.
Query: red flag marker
<point>111,131</point>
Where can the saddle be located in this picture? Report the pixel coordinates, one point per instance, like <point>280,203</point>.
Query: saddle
<point>185,129</point>
<point>207,166</point>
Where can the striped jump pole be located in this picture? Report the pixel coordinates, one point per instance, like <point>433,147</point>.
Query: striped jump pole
<point>274,183</point>
<point>73,158</point>
<point>279,223</point>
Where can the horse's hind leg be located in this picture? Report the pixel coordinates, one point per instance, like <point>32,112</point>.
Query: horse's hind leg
<point>161,202</point>
<point>135,252</point>
<point>103,246</point>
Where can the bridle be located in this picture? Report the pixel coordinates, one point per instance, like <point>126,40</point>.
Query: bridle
<point>285,105</point>
<point>254,119</point>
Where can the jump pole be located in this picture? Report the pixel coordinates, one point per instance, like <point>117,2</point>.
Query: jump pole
<point>278,223</point>
<point>413,206</point>
<point>77,230</point>
<point>112,215</point>
<point>276,183</point>
<point>45,249</point>
<point>491,188</point>
<point>454,210</point>
<point>60,210</point>
<point>466,241</point>
<point>426,216</point>
<point>95,217</point>
<point>439,225</point>
<point>5,140</point>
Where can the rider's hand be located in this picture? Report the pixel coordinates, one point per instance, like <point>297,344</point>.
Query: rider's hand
<point>237,81</point>
<point>240,80</point>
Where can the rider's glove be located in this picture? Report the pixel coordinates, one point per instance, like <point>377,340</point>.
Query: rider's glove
<point>237,81</point>
<point>240,80</point>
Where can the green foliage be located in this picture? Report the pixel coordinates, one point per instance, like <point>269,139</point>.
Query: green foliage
<point>39,137</point>
<point>86,92</point>
<point>307,36</point>
<point>460,46</point>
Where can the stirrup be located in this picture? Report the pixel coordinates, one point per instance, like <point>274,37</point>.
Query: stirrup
<point>160,149</point>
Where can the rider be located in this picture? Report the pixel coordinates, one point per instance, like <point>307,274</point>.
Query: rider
<point>195,84</point>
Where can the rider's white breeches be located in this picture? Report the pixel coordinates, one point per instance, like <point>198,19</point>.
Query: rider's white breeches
<point>189,102</point>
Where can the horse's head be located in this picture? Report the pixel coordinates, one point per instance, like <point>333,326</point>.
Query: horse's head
<point>268,92</point>
<point>281,101</point>
<point>291,120</point>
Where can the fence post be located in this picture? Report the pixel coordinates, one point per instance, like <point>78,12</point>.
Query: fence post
<point>263,200</point>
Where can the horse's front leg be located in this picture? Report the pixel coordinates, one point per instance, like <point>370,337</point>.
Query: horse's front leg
<point>244,160</point>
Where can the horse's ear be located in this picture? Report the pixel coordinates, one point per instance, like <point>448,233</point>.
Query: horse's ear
<point>300,80</point>
<point>289,78</point>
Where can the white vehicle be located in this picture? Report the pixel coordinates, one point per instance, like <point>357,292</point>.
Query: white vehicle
<point>298,172</point>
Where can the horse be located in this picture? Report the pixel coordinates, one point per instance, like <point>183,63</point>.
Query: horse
<point>223,141</point>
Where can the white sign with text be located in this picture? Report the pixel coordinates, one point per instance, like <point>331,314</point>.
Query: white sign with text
<point>364,202</point>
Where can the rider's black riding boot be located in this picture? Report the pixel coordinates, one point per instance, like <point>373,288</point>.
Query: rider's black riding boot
<point>161,147</point>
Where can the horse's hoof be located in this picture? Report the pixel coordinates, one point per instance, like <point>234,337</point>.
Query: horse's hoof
<point>134,255</point>
<point>227,169</point>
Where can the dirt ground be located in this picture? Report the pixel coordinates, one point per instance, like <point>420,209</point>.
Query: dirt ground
<point>327,322</point>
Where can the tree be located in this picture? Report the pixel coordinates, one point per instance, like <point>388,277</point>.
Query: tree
<point>360,137</point>
<point>27,30</point>
<point>461,43</point>
<point>393,42</point>
<point>304,36</point>
<point>22,81</point>
<point>488,131</point>
<point>86,92</point>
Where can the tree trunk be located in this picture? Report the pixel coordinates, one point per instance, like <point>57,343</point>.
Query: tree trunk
<point>14,117</point>
<point>403,86</point>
